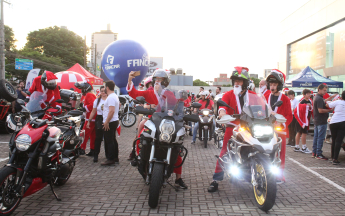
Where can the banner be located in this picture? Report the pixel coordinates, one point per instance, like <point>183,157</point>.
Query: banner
<point>31,76</point>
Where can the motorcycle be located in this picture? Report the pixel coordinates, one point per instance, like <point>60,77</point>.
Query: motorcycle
<point>205,125</point>
<point>161,142</point>
<point>126,114</point>
<point>253,152</point>
<point>36,157</point>
<point>219,135</point>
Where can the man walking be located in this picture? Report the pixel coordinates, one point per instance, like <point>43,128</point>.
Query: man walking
<point>110,123</point>
<point>320,121</point>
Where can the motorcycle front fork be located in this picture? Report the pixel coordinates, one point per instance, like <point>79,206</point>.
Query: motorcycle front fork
<point>253,172</point>
<point>152,160</point>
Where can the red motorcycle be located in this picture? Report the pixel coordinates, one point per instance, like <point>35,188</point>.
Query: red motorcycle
<point>36,156</point>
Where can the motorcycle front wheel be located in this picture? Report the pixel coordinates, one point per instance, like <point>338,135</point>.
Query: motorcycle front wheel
<point>205,138</point>
<point>266,189</point>
<point>156,184</point>
<point>130,121</point>
<point>8,199</point>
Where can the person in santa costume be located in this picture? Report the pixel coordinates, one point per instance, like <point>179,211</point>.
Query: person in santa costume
<point>263,88</point>
<point>47,84</point>
<point>302,113</point>
<point>276,80</point>
<point>235,99</point>
<point>90,131</point>
<point>160,80</point>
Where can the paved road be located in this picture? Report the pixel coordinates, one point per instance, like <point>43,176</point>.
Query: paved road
<point>313,187</point>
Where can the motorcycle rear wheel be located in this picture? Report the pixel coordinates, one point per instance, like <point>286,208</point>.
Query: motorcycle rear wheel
<point>156,184</point>
<point>7,186</point>
<point>130,121</point>
<point>205,138</point>
<point>266,190</point>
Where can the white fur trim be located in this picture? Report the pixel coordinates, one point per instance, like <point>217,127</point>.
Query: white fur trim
<point>220,110</point>
<point>44,90</point>
<point>87,110</point>
<point>129,88</point>
<point>51,100</point>
<point>58,106</point>
<point>239,104</point>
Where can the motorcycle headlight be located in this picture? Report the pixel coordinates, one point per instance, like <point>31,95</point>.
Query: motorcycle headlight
<point>164,137</point>
<point>206,112</point>
<point>167,128</point>
<point>23,142</point>
<point>260,130</point>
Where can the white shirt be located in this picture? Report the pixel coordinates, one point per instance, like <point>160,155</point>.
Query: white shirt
<point>339,114</point>
<point>294,104</point>
<point>112,100</point>
<point>99,107</point>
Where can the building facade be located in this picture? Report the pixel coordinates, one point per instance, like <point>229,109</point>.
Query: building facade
<point>101,39</point>
<point>221,80</point>
<point>314,35</point>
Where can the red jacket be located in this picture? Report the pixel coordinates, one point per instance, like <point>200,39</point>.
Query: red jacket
<point>233,101</point>
<point>266,93</point>
<point>52,95</point>
<point>284,109</point>
<point>88,105</point>
<point>301,115</point>
<point>149,95</point>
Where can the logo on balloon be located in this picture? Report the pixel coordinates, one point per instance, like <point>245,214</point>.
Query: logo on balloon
<point>139,62</point>
<point>110,59</point>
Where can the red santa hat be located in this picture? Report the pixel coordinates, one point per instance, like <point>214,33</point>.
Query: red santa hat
<point>286,89</point>
<point>278,71</point>
<point>50,76</point>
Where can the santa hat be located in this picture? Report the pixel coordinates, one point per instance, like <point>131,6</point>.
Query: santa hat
<point>50,76</point>
<point>286,89</point>
<point>278,71</point>
<point>241,69</point>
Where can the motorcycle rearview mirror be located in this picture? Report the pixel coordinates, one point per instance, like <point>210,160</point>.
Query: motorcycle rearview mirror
<point>222,103</point>
<point>277,104</point>
<point>28,93</point>
<point>191,118</point>
<point>27,100</point>
<point>196,105</point>
<point>141,99</point>
<point>21,102</point>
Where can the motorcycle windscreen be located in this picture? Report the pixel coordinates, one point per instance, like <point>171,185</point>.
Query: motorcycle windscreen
<point>256,106</point>
<point>170,102</point>
<point>36,99</point>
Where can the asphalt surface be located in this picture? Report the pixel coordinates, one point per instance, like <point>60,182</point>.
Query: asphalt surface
<point>313,187</point>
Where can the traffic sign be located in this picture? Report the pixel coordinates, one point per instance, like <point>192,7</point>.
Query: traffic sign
<point>24,64</point>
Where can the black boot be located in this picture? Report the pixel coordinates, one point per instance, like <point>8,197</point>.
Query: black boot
<point>90,153</point>
<point>82,152</point>
<point>95,158</point>
<point>213,187</point>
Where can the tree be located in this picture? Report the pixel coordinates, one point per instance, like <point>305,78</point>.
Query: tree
<point>58,42</point>
<point>256,81</point>
<point>228,85</point>
<point>9,39</point>
<point>198,82</point>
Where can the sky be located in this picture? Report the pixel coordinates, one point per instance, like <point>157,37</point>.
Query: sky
<point>204,38</point>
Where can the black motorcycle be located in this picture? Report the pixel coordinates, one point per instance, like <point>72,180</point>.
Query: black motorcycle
<point>206,125</point>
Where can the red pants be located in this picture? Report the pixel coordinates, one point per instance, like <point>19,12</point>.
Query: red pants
<point>89,133</point>
<point>282,156</point>
<point>218,173</point>
<point>178,161</point>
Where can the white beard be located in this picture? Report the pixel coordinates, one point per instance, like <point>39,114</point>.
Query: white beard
<point>237,90</point>
<point>262,89</point>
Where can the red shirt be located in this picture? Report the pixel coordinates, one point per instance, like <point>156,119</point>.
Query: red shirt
<point>326,96</point>
<point>203,104</point>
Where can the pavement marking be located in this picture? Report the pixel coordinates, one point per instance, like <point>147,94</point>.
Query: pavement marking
<point>3,159</point>
<point>334,168</point>
<point>318,175</point>
<point>3,142</point>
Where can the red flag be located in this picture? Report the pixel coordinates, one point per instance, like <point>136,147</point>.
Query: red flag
<point>118,130</point>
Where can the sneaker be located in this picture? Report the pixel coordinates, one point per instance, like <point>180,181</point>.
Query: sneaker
<point>108,163</point>
<point>90,153</point>
<point>336,162</point>
<point>193,142</point>
<point>293,146</point>
<point>313,155</point>
<point>306,151</point>
<point>131,156</point>
<point>331,160</point>
<point>297,149</point>
<point>321,157</point>
<point>179,183</point>
<point>213,187</point>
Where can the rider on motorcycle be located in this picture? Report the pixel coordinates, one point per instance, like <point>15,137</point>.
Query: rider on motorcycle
<point>90,131</point>
<point>276,80</point>
<point>160,80</point>
<point>206,103</point>
<point>47,84</point>
<point>235,99</point>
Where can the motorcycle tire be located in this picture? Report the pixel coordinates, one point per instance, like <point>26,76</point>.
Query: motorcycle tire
<point>126,123</point>
<point>5,173</point>
<point>8,92</point>
<point>205,138</point>
<point>265,203</point>
<point>156,184</point>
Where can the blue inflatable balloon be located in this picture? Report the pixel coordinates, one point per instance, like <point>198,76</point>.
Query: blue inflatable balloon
<point>120,58</point>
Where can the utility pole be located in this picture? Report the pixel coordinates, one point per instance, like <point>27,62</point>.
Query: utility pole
<point>84,51</point>
<point>2,41</point>
<point>95,59</point>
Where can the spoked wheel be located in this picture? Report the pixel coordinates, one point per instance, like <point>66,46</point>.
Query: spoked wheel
<point>266,189</point>
<point>128,121</point>
<point>8,199</point>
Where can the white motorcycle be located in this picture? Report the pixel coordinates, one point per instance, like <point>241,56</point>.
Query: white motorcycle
<point>253,152</point>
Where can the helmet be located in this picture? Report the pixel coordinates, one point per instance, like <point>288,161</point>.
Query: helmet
<point>240,73</point>
<point>15,123</point>
<point>147,81</point>
<point>251,85</point>
<point>276,76</point>
<point>161,73</point>
<point>206,93</point>
<point>49,80</point>
<point>84,86</point>
<point>183,94</point>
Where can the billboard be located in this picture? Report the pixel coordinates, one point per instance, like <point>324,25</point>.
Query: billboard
<point>155,62</point>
